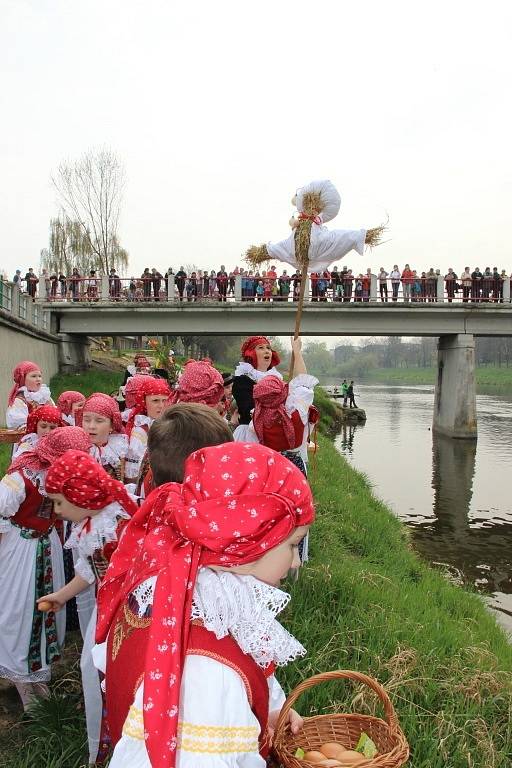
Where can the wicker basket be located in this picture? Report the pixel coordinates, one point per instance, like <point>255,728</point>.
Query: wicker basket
<point>345,729</point>
<point>10,435</point>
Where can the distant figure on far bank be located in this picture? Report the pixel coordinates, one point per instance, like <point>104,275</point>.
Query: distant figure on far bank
<point>350,394</point>
<point>344,391</point>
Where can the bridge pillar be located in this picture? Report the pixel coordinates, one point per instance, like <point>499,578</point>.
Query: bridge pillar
<point>440,288</point>
<point>455,398</point>
<point>74,353</point>
<point>506,290</point>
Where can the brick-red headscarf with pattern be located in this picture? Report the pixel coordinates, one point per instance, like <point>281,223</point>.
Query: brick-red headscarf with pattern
<point>50,447</point>
<point>105,406</point>
<point>269,398</point>
<point>67,399</point>
<point>131,387</point>
<point>84,482</point>
<point>200,382</point>
<point>237,501</point>
<point>48,413</point>
<point>19,374</point>
<point>249,351</point>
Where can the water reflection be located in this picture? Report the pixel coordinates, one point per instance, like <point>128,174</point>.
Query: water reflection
<point>453,494</point>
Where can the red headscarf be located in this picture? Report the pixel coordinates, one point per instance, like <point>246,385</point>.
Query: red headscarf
<point>105,406</point>
<point>249,351</point>
<point>150,386</point>
<point>19,373</point>
<point>237,501</point>
<point>83,482</point>
<point>50,447</point>
<point>66,400</point>
<point>130,389</point>
<point>269,398</point>
<point>200,382</point>
<point>48,413</point>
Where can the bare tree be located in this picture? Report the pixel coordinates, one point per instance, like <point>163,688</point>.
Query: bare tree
<point>90,190</point>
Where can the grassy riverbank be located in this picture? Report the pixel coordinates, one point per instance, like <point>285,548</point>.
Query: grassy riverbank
<point>489,379</point>
<point>366,602</point>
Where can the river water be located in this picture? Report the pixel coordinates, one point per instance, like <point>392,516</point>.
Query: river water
<point>455,496</point>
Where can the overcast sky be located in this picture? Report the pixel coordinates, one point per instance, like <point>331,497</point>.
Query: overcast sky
<point>220,110</point>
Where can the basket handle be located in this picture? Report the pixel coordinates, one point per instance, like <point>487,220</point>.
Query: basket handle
<point>339,674</point>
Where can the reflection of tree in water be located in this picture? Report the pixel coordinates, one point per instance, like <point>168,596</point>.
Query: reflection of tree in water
<point>347,435</point>
<point>477,553</point>
<point>395,406</point>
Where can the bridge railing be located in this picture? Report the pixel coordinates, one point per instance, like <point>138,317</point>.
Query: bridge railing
<point>261,289</point>
<point>23,306</point>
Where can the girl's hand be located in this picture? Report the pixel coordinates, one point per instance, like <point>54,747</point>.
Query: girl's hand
<point>295,720</point>
<point>54,599</point>
<point>296,345</point>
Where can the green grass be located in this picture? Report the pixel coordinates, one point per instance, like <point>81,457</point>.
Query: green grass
<point>364,602</point>
<point>489,379</point>
<point>367,602</point>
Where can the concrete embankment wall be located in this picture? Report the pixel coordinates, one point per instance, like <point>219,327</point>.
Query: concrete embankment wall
<point>17,344</point>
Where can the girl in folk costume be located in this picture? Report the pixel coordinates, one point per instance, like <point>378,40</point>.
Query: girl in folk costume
<point>40,422</point>
<point>31,557</point>
<point>101,419</point>
<point>200,383</point>
<point>69,403</point>
<point>28,391</point>
<point>98,506</point>
<point>258,360</point>
<point>129,392</point>
<point>151,398</point>
<point>282,411</point>
<point>189,606</point>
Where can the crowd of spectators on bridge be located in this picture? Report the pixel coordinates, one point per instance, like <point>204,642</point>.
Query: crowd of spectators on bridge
<point>267,285</point>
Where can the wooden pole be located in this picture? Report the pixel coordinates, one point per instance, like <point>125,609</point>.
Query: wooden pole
<point>298,316</point>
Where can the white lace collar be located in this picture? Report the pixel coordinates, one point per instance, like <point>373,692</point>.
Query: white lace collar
<point>43,395</point>
<point>111,453</point>
<point>94,532</point>
<point>241,606</point>
<point>141,420</point>
<point>246,608</point>
<point>246,369</point>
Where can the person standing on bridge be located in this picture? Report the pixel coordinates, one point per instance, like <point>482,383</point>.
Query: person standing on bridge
<point>31,280</point>
<point>395,278</point>
<point>222,283</point>
<point>179,280</point>
<point>407,280</point>
<point>383,285</point>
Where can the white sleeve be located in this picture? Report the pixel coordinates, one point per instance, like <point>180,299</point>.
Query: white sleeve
<point>83,569</point>
<point>26,443</point>
<point>12,495</point>
<point>136,450</point>
<point>218,730</point>
<point>17,414</point>
<point>300,395</point>
<point>277,697</point>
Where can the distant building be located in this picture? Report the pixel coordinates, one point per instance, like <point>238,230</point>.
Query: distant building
<point>343,353</point>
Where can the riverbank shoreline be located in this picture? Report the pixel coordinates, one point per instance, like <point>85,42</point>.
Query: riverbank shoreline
<point>489,380</point>
<point>367,602</point>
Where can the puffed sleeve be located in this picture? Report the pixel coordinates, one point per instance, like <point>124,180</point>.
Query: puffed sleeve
<point>217,729</point>
<point>136,450</point>
<point>12,495</point>
<point>242,392</point>
<point>301,392</point>
<point>17,414</point>
<point>26,443</point>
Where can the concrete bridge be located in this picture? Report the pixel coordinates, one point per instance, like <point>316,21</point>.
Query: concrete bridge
<point>456,324</point>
